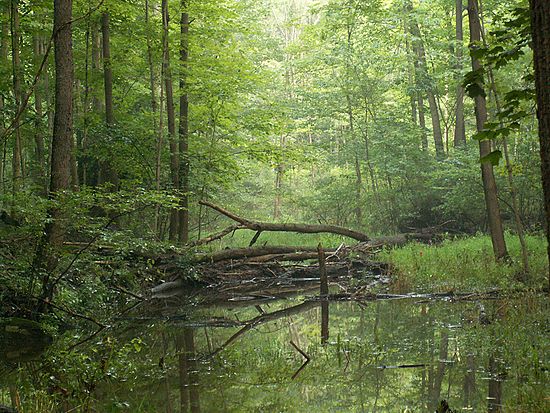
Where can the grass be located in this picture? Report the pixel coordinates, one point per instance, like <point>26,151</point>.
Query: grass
<point>242,237</point>
<point>466,265</point>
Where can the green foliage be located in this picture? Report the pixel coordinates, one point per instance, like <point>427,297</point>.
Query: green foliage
<point>466,265</point>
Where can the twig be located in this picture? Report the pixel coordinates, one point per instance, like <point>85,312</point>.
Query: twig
<point>303,353</point>
<point>72,313</point>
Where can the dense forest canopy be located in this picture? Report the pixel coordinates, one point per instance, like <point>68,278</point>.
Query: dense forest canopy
<point>342,112</point>
<point>153,146</point>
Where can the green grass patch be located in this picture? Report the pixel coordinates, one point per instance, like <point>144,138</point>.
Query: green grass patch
<point>241,239</point>
<point>466,265</point>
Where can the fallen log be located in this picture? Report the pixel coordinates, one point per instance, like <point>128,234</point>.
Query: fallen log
<point>244,253</point>
<point>287,227</point>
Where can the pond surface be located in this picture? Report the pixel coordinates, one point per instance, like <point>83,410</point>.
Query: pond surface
<point>394,355</point>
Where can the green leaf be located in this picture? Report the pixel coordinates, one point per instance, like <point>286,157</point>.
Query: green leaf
<point>475,90</point>
<point>494,158</point>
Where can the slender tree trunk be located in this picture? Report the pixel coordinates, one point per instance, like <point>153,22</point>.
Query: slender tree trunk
<point>489,184</point>
<point>367,152</point>
<point>39,172</point>
<point>46,258</point>
<point>4,62</point>
<point>540,26</point>
<point>154,108</point>
<point>107,172</point>
<point>16,72</point>
<point>152,80</point>
<point>460,128</point>
<point>436,125</point>
<point>183,172</point>
<point>83,161</point>
<point>279,171</point>
<point>174,158</point>
<point>97,103</point>
<point>513,190</point>
<point>423,78</point>
<point>422,123</point>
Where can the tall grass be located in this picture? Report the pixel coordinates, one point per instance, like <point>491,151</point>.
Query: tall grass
<point>466,264</point>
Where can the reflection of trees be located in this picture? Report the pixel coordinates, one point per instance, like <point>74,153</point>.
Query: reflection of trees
<point>469,386</point>
<point>188,371</point>
<point>437,381</point>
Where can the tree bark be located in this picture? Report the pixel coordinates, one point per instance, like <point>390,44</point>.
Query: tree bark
<point>460,128</point>
<point>17,175</point>
<point>540,26</point>
<point>107,172</point>
<point>422,123</point>
<point>4,62</point>
<point>174,158</point>
<point>488,178</point>
<point>183,172</point>
<point>40,153</point>
<point>46,258</point>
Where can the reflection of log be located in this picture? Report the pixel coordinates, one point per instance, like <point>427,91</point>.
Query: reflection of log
<point>304,354</point>
<point>264,318</point>
<point>291,227</point>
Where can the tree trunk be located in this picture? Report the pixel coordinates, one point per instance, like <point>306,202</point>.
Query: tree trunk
<point>17,175</point>
<point>436,125</point>
<point>97,103</point>
<point>540,26</point>
<point>4,62</point>
<point>107,173</point>
<point>154,108</point>
<point>174,158</point>
<point>460,128</point>
<point>425,82</point>
<point>183,172</point>
<point>39,172</point>
<point>279,170</point>
<point>489,184</point>
<point>46,258</point>
<point>422,123</point>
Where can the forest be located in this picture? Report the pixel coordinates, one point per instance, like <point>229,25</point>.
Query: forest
<point>274,206</point>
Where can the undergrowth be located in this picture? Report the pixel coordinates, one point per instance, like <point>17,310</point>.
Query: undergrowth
<point>466,264</point>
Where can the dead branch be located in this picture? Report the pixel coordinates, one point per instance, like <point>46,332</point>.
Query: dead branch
<point>288,227</point>
<point>217,236</point>
<point>304,354</point>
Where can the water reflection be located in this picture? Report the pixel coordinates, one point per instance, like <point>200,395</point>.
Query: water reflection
<point>382,356</point>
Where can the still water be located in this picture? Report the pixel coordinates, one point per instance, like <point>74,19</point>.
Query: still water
<point>302,355</point>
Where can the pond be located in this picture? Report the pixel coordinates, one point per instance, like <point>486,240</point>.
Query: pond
<point>300,354</point>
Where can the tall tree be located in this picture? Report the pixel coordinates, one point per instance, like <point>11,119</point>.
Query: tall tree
<point>426,82</point>
<point>460,129</point>
<point>183,172</point>
<point>17,75</point>
<point>108,173</point>
<point>174,161</point>
<point>62,142</point>
<point>487,174</point>
<point>40,157</point>
<point>540,29</point>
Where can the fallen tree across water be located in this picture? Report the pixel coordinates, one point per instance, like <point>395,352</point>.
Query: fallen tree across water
<point>260,227</point>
